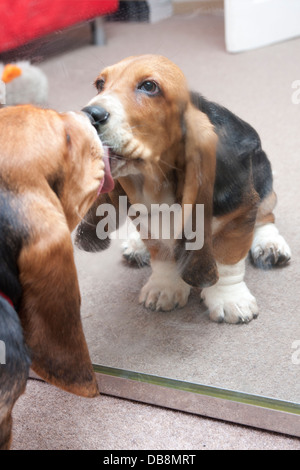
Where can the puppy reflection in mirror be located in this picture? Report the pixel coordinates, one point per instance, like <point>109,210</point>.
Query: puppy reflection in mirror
<point>170,145</point>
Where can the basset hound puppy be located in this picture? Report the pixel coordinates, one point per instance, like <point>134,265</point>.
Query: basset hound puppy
<point>170,145</point>
<point>51,170</point>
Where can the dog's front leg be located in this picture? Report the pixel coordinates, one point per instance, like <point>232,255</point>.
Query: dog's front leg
<point>165,289</point>
<point>229,299</point>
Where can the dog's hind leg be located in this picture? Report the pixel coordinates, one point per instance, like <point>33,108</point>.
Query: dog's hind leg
<point>268,248</point>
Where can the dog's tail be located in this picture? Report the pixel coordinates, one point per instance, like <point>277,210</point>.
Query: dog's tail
<point>14,367</point>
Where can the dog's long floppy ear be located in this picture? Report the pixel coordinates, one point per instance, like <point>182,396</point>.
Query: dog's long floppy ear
<point>195,257</point>
<point>86,233</point>
<point>50,308</point>
<point>104,210</point>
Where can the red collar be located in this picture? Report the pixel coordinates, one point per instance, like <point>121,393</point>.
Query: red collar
<point>6,298</point>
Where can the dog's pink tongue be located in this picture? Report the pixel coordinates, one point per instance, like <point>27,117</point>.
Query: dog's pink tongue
<point>107,183</point>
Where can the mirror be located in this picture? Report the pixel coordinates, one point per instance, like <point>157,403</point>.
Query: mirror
<point>255,364</point>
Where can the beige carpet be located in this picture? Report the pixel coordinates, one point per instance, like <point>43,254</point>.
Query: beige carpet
<point>46,418</point>
<point>254,358</point>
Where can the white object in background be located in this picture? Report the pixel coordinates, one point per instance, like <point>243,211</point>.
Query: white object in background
<point>250,24</point>
<point>25,83</point>
<point>159,10</point>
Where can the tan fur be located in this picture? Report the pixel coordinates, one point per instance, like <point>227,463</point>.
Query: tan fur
<point>233,238</point>
<point>200,166</point>
<point>265,211</point>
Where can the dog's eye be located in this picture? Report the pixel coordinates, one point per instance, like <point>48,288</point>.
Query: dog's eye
<point>99,84</point>
<point>150,87</point>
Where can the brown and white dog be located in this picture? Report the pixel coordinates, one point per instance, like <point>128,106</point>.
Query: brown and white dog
<point>170,145</point>
<point>51,169</point>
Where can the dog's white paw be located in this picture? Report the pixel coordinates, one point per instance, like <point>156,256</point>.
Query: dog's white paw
<point>165,291</point>
<point>230,303</point>
<point>269,248</point>
<point>135,251</point>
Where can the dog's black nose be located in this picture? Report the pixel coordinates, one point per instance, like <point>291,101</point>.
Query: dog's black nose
<point>96,114</point>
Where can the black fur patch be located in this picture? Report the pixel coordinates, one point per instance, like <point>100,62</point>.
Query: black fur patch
<point>241,162</point>
<point>15,358</point>
<point>14,367</point>
<point>13,234</point>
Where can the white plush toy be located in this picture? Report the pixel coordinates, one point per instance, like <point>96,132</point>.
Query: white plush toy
<point>23,83</point>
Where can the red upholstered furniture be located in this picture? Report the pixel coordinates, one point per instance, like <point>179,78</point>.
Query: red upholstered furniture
<point>22,21</point>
